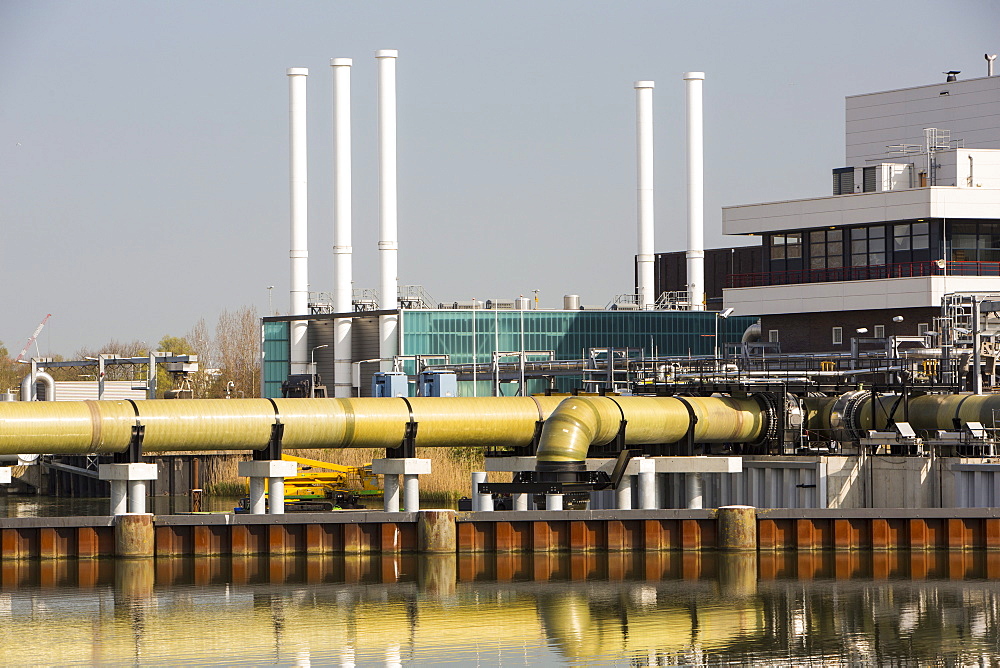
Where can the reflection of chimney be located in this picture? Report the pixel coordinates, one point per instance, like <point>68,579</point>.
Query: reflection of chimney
<point>342,285</point>
<point>695,192</point>
<point>644,150</point>
<point>387,244</point>
<point>952,75</point>
<point>298,250</point>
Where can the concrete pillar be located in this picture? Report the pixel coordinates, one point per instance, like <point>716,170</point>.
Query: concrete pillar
<point>137,496</point>
<point>647,484</point>
<point>390,492</point>
<point>258,504</point>
<point>737,528</point>
<point>553,501</point>
<point>692,484</point>
<point>276,495</point>
<point>119,497</point>
<point>274,473</point>
<point>480,501</point>
<point>128,485</point>
<point>411,492</point>
<point>134,536</point>
<point>390,470</point>
<point>623,495</point>
<point>436,531</point>
<point>521,501</point>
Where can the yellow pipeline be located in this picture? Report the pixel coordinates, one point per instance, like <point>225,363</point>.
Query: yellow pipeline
<point>931,412</point>
<point>580,422</point>
<point>245,424</point>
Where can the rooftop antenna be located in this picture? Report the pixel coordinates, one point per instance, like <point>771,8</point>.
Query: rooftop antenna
<point>989,63</point>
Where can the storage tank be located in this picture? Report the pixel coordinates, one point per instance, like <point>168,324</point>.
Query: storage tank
<point>571,302</point>
<point>522,303</point>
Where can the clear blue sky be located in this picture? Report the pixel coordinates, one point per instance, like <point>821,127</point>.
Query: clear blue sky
<point>144,168</point>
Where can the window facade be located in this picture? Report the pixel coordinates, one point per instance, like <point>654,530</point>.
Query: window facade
<point>785,251</point>
<point>879,331</point>
<point>826,249</point>
<point>838,336</point>
<point>568,334</point>
<point>911,242</point>
<point>772,335</point>
<point>868,246</point>
<point>971,241</point>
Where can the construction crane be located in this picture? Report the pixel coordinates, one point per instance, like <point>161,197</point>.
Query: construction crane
<point>38,330</point>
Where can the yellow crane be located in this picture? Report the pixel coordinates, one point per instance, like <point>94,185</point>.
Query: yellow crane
<point>329,485</point>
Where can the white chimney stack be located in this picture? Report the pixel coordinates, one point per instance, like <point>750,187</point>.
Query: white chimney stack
<point>695,191</point>
<point>387,245</point>
<point>644,151</point>
<point>298,249</point>
<point>343,283</point>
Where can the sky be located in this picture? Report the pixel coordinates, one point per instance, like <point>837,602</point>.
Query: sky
<point>144,145</point>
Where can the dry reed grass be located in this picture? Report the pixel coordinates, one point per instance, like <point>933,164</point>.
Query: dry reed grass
<point>451,469</point>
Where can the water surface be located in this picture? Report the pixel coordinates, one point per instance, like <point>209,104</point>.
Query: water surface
<point>493,610</point>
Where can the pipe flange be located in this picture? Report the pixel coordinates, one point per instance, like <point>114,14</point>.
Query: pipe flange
<point>770,404</point>
<point>845,415</point>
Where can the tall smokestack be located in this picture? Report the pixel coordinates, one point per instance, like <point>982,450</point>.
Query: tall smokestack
<point>644,152</point>
<point>342,291</point>
<point>387,244</point>
<point>696,191</point>
<point>298,249</point>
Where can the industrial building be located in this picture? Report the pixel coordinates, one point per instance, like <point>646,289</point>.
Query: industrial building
<point>914,216</point>
<point>491,340</point>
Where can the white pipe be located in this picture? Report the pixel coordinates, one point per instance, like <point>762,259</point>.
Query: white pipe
<point>644,152</point>
<point>298,250</point>
<point>29,386</point>
<point>387,244</point>
<point>695,191</point>
<point>342,290</point>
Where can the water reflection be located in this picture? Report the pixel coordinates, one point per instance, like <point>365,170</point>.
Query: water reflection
<point>657,609</point>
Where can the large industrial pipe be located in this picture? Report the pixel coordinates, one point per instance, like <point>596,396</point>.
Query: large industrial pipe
<point>79,427</point>
<point>298,249</point>
<point>387,244</point>
<point>644,167</point>
<point>579,422</point>
<point>695,191</point>
<point>342,285</point>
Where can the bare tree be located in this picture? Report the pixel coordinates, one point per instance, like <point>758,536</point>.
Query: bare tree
<point>237,346</point>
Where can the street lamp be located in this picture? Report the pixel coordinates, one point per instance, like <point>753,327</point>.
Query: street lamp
<point>270,310</point>
<point>720,314</point>
<point>312,365</point>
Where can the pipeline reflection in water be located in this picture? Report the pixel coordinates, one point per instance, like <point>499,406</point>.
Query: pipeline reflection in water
<point>651,609</point>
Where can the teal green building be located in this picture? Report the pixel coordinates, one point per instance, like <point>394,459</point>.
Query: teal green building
<point>464,336</point>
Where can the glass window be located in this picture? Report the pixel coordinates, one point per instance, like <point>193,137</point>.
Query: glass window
<point>772,335</point>
<point>838,336</point>
<point>879,331</point>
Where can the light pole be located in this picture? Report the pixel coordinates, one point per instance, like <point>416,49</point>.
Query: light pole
<point>312,367</point>
<point>270,310</point>
<point>895,346</point>
<point>720,314</point>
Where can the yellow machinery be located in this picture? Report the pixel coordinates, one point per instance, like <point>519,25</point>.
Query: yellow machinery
<point>310,484</point>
